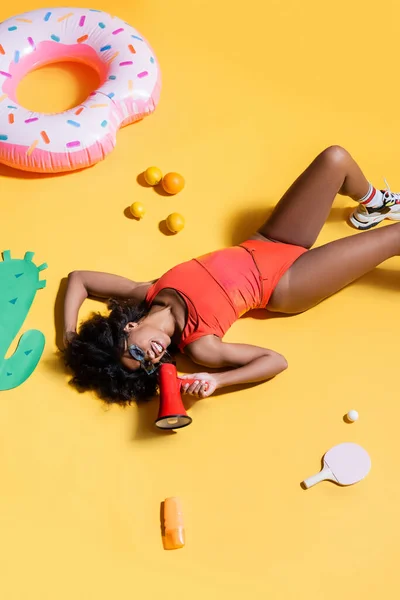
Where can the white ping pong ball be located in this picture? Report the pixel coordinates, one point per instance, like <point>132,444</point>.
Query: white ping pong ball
<point>352,415</point>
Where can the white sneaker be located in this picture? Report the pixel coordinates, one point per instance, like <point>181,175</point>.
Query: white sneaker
<point>364,217</point>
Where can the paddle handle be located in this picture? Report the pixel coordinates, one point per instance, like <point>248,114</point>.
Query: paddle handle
<point>326,473</point>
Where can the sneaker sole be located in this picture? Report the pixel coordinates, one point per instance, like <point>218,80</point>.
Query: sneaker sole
<point>373,222</point>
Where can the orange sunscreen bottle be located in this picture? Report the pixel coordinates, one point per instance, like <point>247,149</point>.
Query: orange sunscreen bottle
<point>174,532</point>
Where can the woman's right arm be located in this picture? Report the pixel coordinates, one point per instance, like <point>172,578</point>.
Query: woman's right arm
<point>82,284</point>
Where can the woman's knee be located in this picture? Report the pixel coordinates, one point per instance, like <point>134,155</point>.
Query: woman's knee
<point>336,156</point>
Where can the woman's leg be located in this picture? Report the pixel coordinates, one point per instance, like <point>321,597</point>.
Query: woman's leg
<point>301,213</point>
<point>325,270</point>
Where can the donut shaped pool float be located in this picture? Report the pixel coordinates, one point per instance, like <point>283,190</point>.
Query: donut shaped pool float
<point>84,135</point>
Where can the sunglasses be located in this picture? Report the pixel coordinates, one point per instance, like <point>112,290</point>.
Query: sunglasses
<point>138,354</point>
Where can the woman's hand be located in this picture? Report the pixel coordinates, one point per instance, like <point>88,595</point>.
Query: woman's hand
<point>203,386</point>
<point>68,337</point>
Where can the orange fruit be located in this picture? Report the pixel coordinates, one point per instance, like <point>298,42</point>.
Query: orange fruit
<point>138,210</point>
<point>152,175</point>
<point>173,183</point>
<point>175,222</point>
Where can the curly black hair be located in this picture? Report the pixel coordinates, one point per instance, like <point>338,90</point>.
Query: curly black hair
<point>94,356</point>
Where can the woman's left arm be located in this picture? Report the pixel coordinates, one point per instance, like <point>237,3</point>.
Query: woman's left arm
<point>246,363</point>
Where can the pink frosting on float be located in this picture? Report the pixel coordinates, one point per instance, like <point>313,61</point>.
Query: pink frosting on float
<point>47,162</point>
<point>48,53</point>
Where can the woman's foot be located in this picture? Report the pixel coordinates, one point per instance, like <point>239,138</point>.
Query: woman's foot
<point>366,217</point>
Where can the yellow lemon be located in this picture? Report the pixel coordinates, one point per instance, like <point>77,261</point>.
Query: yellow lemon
<point>175,222</point>
<point>138,210</point>
<point>152,175</point>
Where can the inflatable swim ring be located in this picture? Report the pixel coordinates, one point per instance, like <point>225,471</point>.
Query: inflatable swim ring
<point>80,137</point>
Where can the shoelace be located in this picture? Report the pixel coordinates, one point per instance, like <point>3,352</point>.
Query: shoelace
<point>389,197</point>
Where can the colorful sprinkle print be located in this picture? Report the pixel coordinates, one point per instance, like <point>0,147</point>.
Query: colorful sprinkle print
<point>32,147</point>
<point>52,133</point>
<point>73,144</point>
<point>45,137</point>
<point>114,56</point>
<point>65,17</point>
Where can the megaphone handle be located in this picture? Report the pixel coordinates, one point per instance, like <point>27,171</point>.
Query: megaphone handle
<point>189,381</point>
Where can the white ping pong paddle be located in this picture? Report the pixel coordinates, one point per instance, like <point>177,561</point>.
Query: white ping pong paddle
<point>345,464</point>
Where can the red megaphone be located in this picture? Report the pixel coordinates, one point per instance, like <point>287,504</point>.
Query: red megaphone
<point>172,413</point>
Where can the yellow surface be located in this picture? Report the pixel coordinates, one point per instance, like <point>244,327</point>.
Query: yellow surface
<point>252,91</point>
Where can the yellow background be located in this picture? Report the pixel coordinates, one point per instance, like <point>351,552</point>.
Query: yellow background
<point>252,91</point>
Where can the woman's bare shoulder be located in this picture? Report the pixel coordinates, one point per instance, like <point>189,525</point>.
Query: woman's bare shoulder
<point>140,292</point>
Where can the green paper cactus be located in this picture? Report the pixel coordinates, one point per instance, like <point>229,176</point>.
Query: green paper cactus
<point>19,281</point>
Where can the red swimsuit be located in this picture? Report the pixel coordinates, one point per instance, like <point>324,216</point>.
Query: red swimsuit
<point>220,287</point>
